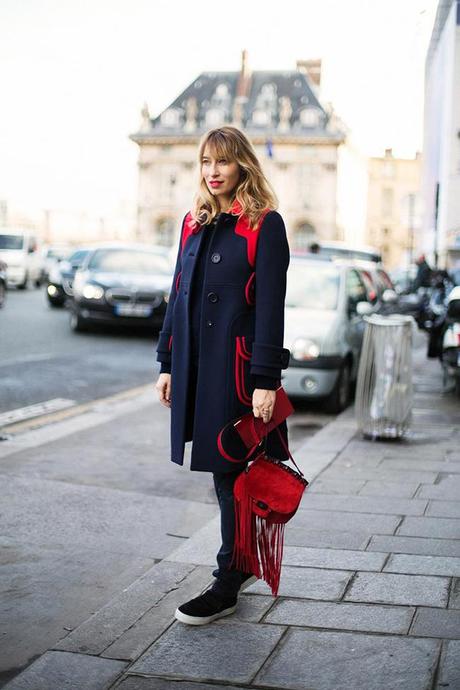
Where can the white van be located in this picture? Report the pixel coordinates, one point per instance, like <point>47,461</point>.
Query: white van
<point>19,250</point>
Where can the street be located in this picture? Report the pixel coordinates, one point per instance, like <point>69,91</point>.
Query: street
<point>90,501</point>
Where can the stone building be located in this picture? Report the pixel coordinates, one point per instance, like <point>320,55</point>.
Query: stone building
<point>393,207</point>
<point>440,235</point>
<point>295,137</point>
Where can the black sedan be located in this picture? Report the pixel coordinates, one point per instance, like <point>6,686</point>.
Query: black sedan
<point>125,285</point>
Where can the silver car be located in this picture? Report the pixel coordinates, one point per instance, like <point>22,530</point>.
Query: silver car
<point>325,305</point>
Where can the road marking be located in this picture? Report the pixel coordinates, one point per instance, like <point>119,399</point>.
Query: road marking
<point>26,359</point>
<point>22,413</point>
<point>53,416</point>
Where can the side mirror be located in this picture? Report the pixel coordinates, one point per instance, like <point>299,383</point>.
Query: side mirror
<point>32,249</point>
<point>389,296</point>
<point>364,309</point>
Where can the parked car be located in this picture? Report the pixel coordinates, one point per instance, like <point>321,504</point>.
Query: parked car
<point>341,250</point>
<point>3,283</point>
<point>51,255</point>
<point>122,285</point>
<point>325,305</point>
<point>19,249</point>
<point>60,279</point>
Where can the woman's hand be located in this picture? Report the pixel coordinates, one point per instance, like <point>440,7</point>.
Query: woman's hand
<point>263,402</point>
<point>163,387</point>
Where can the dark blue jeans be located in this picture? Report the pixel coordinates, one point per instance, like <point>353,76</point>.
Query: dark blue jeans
<point>228,580</point>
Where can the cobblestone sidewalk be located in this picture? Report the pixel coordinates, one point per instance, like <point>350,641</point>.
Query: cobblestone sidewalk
<point>370,590</point>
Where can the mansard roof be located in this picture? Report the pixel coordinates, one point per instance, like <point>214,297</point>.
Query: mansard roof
<point>281,104</point>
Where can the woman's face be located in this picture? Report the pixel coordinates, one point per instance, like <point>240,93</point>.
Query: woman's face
<point>221,176</point>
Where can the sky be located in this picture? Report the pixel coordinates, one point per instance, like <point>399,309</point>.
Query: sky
<point>74,75</point>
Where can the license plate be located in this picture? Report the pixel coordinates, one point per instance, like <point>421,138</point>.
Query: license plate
<point>142,310</point>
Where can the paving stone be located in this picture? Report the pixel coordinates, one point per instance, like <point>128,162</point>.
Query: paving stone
<point>320,486</point>
<point>307,583</point>
<point>67,671</point>
<point>423,565</point>
<point>340,559</point>
<point>449,509</point>
<point>454,599</point>
<point>430,622</point>
<point>233,652</point>
<point>343,616</point>
<point>415,545</point>
<point>421,465</point>
<point>340,521</point>
<point>446,528</point>
<point>393,489</point>
<point>111,621</point>
<point>139,683</point>
<point>154,622</point>
<point>325,539</point>
<point>386,588</point>
<point>442,491</point>
<point>380,475</point>
<point>330,660</point>
<point>251,608</point>
<point>365,504</point>
<point>449,672</point>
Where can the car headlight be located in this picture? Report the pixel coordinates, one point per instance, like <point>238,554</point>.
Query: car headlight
<point>91,291</point>
<point>305,349</point>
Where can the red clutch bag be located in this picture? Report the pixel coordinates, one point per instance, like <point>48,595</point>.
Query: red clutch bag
<point>238,439</point>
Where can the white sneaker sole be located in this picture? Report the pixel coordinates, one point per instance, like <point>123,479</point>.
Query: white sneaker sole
<point>248,583</point>
<point>202,620</point>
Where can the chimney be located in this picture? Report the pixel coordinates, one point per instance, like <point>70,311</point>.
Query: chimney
<point>312,68</point>
<point>244,78</point>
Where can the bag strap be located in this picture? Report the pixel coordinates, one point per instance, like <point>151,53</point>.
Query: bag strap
<point>286,448</point>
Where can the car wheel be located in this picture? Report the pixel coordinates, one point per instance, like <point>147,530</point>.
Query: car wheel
<point>77,324</point>
<point>25,282</point>
<point>340,397</point>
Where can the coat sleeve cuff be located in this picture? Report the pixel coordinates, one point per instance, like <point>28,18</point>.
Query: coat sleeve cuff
<point>164,347</point>
<point>267,383</point>
<point>268,360</point>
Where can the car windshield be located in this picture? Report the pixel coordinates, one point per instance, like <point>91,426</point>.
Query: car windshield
<point>129,261</point>
<point>311,286</point>
<point>11,241</point>
<point>77,256</point>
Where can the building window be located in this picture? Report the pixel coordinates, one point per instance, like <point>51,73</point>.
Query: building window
<point>304,235</point>
<point>170,117</point>
<point>387,202</point>
<point>310,117</point>
<point>164,234</point>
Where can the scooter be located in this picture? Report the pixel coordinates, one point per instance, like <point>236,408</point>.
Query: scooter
<point>450,352</point>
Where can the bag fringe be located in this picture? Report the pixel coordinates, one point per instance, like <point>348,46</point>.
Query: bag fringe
<point>258,546</point>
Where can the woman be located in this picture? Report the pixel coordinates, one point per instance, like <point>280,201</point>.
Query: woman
<point>221,344</point>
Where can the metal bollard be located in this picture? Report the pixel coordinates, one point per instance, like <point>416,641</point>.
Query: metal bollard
<point>384,386</point>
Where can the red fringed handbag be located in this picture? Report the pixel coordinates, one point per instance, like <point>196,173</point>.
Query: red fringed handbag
<point>266,495</point>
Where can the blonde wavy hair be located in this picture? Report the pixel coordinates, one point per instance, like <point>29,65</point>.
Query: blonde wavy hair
<point>253,191</point>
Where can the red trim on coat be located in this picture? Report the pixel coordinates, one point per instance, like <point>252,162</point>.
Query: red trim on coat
<point>243,228</point>
<point>250,289</point>
<point>240,357</point>
<point>191,227</point>
<point>170,342</point>
<point>178,281</point>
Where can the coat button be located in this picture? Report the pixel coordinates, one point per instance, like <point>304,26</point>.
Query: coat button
<point>209,323</point>
<point>212,297</point>
<point>215,258</point>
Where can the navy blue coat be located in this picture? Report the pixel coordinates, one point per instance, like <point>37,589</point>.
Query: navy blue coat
<point>241,331</point>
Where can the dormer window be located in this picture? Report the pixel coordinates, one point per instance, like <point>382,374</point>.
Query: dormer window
<point>170,118</point>
<point>310,117</point>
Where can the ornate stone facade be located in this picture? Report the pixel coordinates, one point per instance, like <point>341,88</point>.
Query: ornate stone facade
<point>294,136</point>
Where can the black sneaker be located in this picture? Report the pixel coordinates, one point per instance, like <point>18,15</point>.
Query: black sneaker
<point>248,580</point>
<point>205,609</point>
